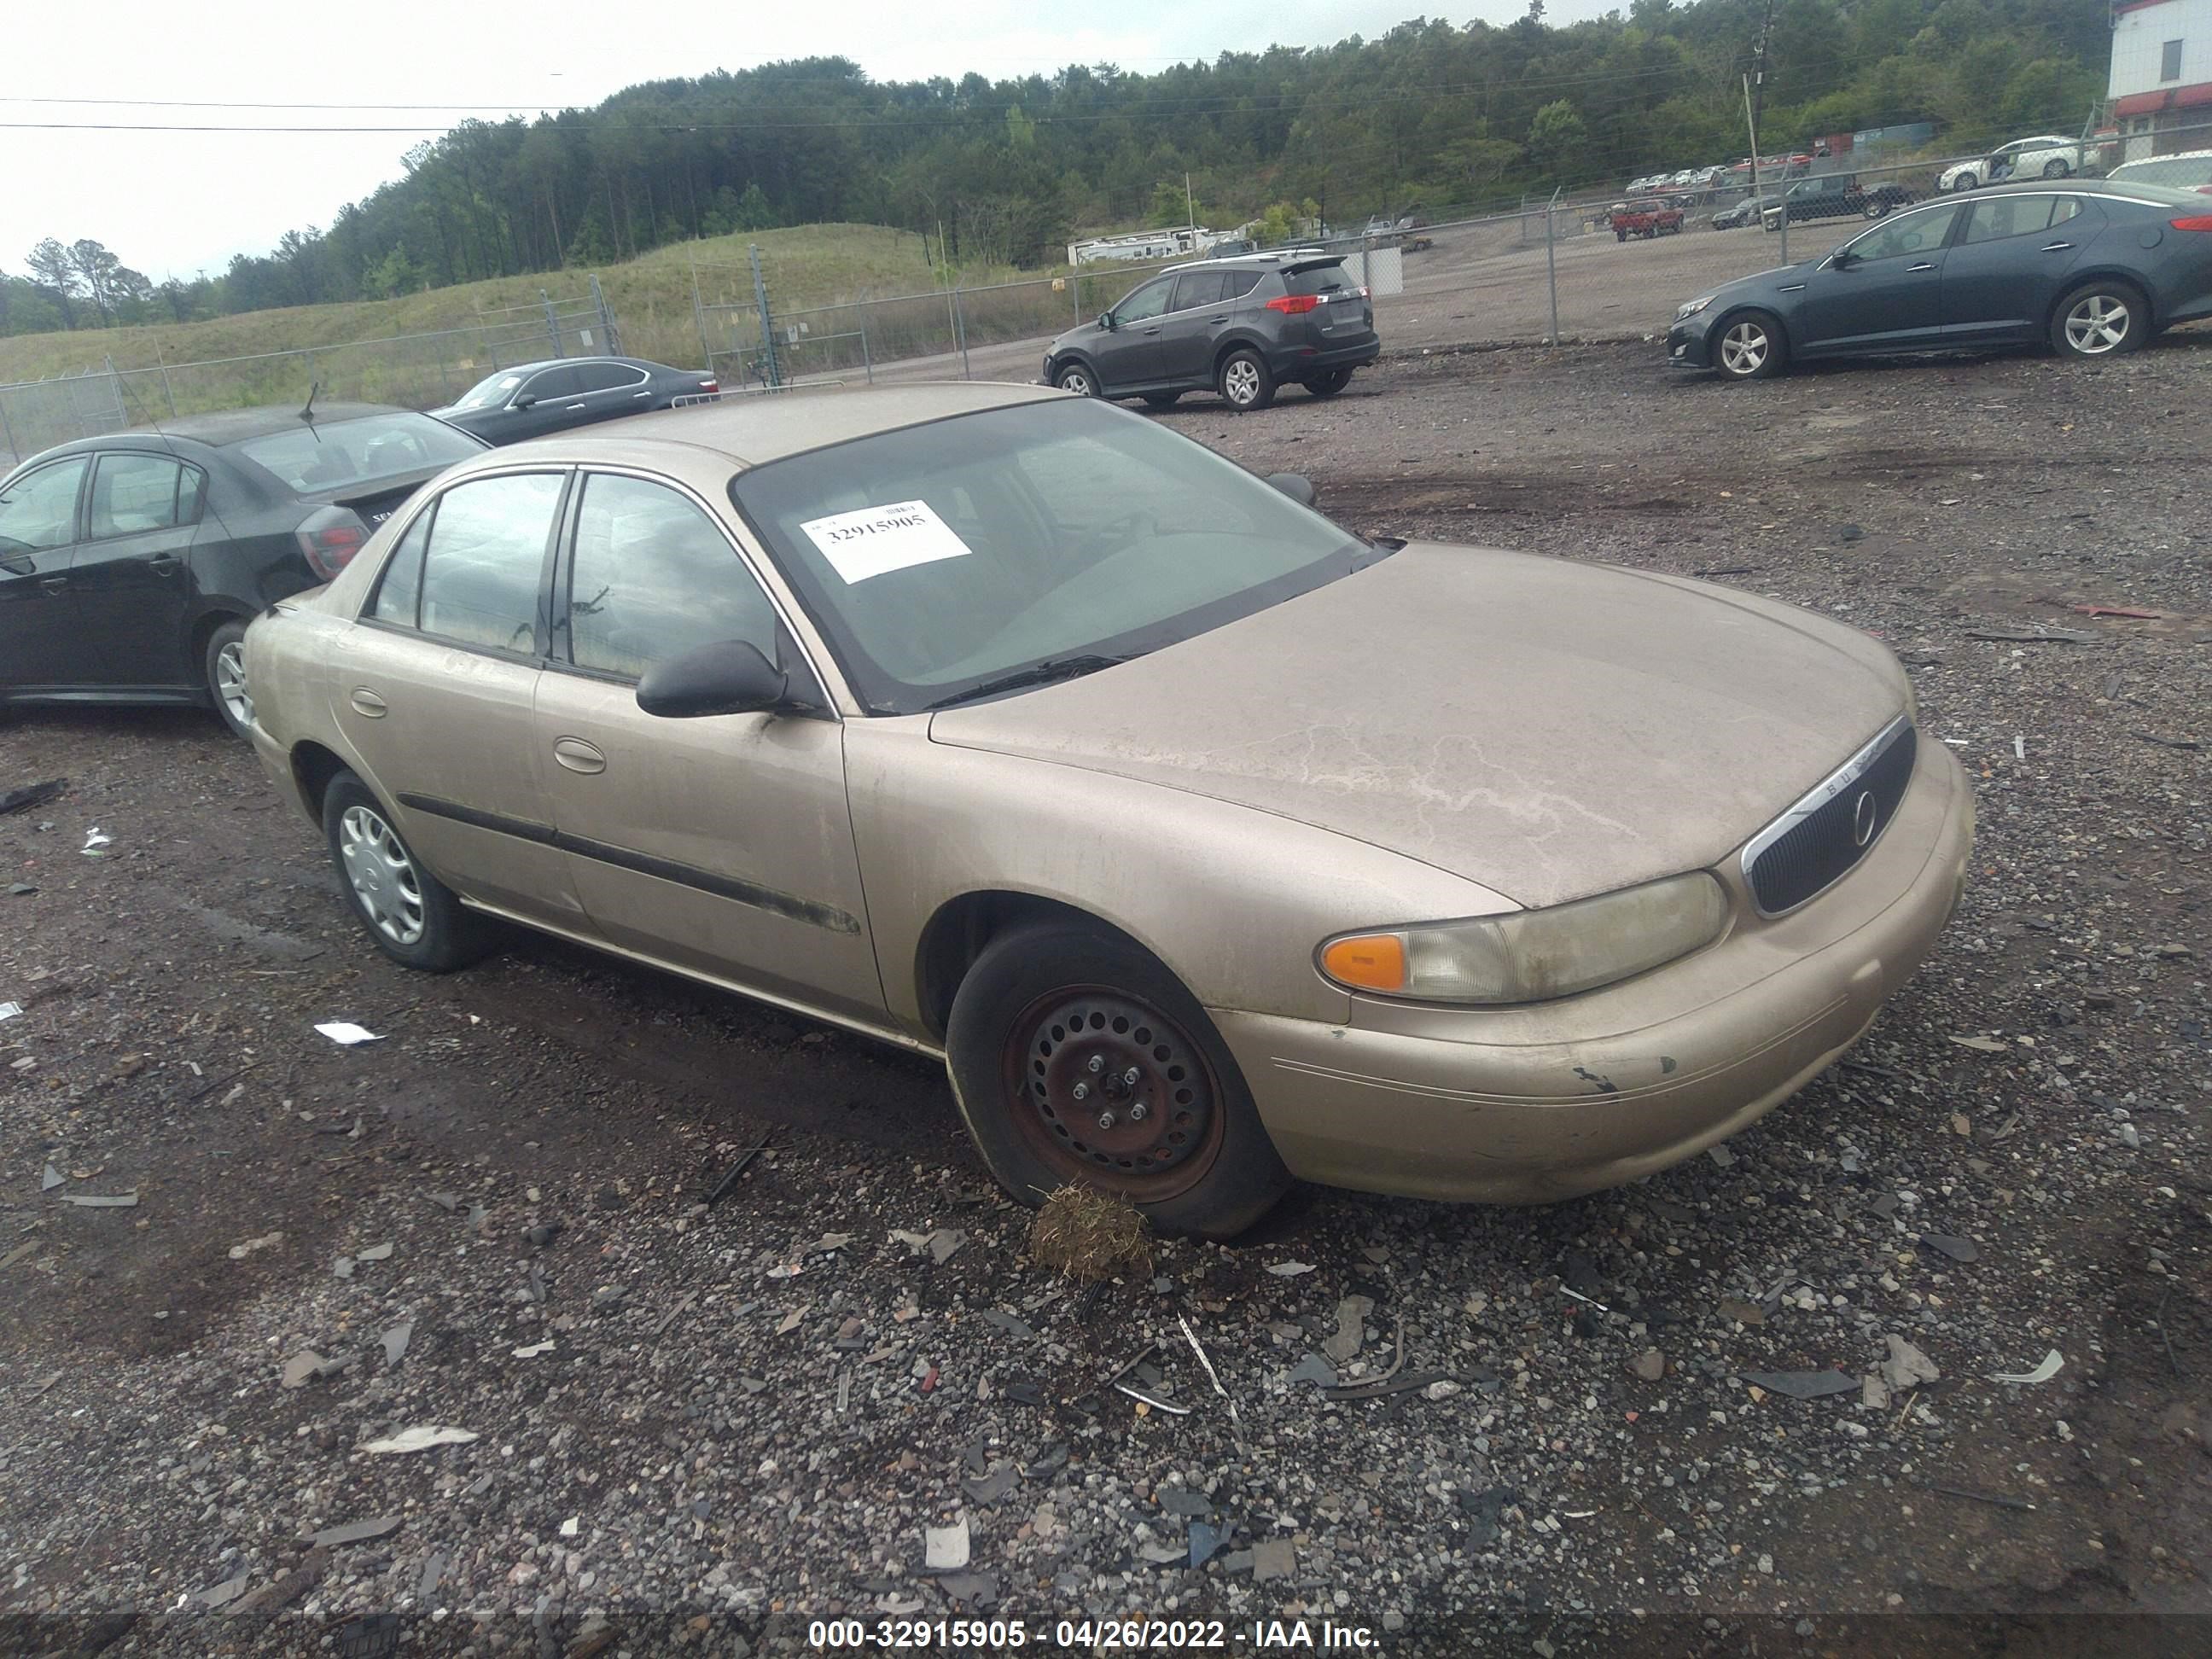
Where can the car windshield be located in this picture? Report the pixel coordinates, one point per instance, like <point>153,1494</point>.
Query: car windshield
<point>941,558</point>
<point>489,392</point>
<point>314,457</point>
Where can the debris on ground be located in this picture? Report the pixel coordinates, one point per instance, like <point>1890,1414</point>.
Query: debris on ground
<point>1289,1269</point>
<point>1742,1312</point>
<point>265,1242</point>
<point>356,1531</point>
<point>1802,1385</point>
<point>31,794</point>
<point>420,1439</point>
<point>52,1179</point>
<point>1342,1345</point>
<point>119,1202</point>
<point>1090,1235</point>
<point>1983,1045</point>
<point>1959,1249</point>
<point>1906,1366</point>
<point>946,1549</point>
<point>396,1340</point>
<point>1315,1369</point>
<point>346,1034</point>
<point>723,1187</point>
<point>2047,1368</point>
<point>10,1010</point>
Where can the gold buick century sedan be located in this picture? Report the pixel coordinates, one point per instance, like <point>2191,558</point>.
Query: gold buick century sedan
<point>1210,845</point>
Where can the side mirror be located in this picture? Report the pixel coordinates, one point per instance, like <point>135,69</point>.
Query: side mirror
<point>1298,487</point>
<point>527,400</point>
<point>1106,321</point>
<point>730,677</point>
<point>1843,259</point>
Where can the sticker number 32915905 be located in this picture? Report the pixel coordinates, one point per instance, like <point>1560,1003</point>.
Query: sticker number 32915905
<point>877,540</point>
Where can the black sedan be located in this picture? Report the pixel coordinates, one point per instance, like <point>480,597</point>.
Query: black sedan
<point>131,563</point>
<point>1834,196</point>
<point>532,399</point>
<point>2093,268</point>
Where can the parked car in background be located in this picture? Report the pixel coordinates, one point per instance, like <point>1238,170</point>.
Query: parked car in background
<point>131,563</point>
<point>1007,727</point>
<point>532,399</point>
<point>1744,212</point>
<point>1241,327</point>
<point>2045,157</point>
<point>2091,267</point>
<point>2190,170</point>
<point>1833,196</point>
<point>1645,219</point>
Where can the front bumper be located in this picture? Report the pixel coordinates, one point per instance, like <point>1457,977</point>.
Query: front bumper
<point>1689,342</point>
<point>1531,1105</point>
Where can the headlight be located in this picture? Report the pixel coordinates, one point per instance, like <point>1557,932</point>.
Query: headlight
<point>1534,955</point>
<point>1691,307</point>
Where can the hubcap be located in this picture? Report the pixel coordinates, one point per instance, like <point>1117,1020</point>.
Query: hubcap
<point>1080,384</point>
<point>1112,1091</point>
<point>230,684</point>
<point>2097,324</point>
<point>1241,382</point>
<point>383,878</point>
<point>1743,349</point>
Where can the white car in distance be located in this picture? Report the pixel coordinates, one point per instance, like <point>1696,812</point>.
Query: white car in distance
<point>2044,157</point>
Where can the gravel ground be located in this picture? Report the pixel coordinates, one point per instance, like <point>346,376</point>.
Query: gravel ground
<point>698,1428</point>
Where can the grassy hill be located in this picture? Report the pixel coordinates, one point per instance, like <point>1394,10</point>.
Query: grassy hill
<point>807,266</point>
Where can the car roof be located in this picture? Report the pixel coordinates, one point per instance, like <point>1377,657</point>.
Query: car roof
<point>2124,189</point>
<point>750,430</point>
<point>2152,161</point>
<point>236,426</point>
<point>571,362</point>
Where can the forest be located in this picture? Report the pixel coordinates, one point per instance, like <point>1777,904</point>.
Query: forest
<point>1430,117</point>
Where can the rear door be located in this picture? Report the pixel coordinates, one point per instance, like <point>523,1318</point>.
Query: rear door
<point>1198,313</point>
<point>38,528</point>
<point>131,573</point>
<point>722,844</point>
<point>2011,258</point>
<point>610,389</point>
<point>434,691</point>
<point>1888,295</point>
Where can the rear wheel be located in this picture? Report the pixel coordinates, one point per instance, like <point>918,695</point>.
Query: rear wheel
<point>1077,379</point>
<point>2056,168</point>
<point>1246,380</point>
<point>1078,1058</point>
<point>1751,347</point>
<point>223,665</point>
<point>414,918</point>
<point>1328,385</point>
<point>1875,207</point>
<point>2100,319</point>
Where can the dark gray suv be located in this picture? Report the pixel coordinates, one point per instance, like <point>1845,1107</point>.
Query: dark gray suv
<point>1242,327</point>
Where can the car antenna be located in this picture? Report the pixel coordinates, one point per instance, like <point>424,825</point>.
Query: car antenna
<point>307,409</point>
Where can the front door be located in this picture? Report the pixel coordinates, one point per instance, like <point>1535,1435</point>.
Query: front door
<point>724,843</point>
<point>131,575</point>
<point>546,402</point>
<point>1129,354</point>
<point>37,524</point>
<point>2004,273</point>
<point>1885,294</point>
<point>435,692</point>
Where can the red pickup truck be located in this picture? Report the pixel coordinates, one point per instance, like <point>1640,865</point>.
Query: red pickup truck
<point>1641,221</point>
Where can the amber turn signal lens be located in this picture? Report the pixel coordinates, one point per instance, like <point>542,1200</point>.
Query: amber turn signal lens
<point>1374,962</point>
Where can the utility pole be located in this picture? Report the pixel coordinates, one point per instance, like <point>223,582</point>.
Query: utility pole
<point>1755,98</point>
<point>1190,213</point>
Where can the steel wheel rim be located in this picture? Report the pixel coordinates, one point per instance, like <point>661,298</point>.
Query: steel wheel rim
<point>1744,349</point>
<point>2098,324</point>
<point>230,683</point>
<point>1076,381</point>
<point>1241,381</point>
<point>384,881</point>
<point>1167,1126</point>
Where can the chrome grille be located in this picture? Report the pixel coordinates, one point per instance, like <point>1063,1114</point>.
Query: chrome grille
<point>1816,841</point>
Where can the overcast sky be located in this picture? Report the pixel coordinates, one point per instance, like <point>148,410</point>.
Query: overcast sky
<point>177,202</point>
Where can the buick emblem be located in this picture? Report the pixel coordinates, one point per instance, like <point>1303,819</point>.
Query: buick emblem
<point>1864,812</point>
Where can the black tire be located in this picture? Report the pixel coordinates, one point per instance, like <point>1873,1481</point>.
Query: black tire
<point>1214,1171</point>
<point>1619,235</point>
<point>1875,207</point>
<point>1964,182</point>
<point>1328,385</point>
<point>223,671</point>
<point>2102,317</point>
<point>424,926</point>
<point>1077,378</point>
<point>2056,169</point>
<point>1246,381</point>
<point>1761,351</point>
<point>1161,400</point>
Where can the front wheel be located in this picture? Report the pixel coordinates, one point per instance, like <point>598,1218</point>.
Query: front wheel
<point>2100,319</point>
<point>1246,382</point>
<point>1078,1058</point>
<point>414,918</point>
<point>1079,379</point>
<point>1328,385</point>
<point>1875,207</point>
<point>223,666</point>
<point>1751,347</point>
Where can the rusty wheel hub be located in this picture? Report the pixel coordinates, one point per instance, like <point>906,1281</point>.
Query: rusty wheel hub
<point>1115,1086</point>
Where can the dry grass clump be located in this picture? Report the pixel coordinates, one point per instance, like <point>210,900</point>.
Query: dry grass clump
<point>1088,1234</point>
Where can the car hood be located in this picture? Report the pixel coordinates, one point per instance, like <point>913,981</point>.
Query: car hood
<point>1761,284</point>
<point>1549,730</point>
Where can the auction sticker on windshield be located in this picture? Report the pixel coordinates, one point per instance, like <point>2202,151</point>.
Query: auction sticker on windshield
<point>877,540</point>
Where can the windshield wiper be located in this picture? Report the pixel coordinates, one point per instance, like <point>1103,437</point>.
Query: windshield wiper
<point>1038,673</point>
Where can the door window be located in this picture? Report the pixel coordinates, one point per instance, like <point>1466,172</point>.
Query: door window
<point>1910,232</point>
<point>1146,303</point>
<point>550,383</point>
<point>654,577</point>
<point>609,376</point>
<point>401,585</point>
<point>2000,217</point>
<point>485,560</point>
<point>40,511</point>
<point>1194,288</point>
<point>133,492</point>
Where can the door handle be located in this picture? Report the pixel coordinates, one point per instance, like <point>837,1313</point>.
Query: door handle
<point>366,702</point>
<point>578,755</point>
<point>163,563</point>
<point>575,406</point>
<point>1923,265</point>
<point>640,394</point>
<point>1223,317</point>
<point>2053,247</point>
<point>55,586</point>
